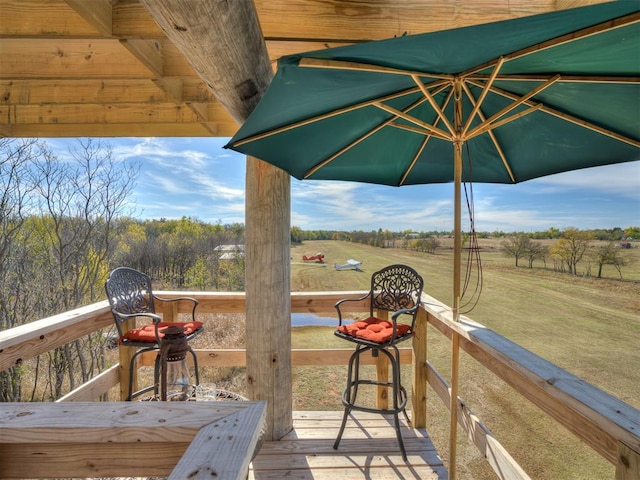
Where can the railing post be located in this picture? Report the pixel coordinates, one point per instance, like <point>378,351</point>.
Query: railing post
<point>382,370</point>
<point>124,357</point>
<point>169,311</point>
<point>419,356</point>
<point>628,466</point>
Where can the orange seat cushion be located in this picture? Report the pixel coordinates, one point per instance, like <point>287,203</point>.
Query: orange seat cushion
<point>374,329</point>
<point>147,333</point>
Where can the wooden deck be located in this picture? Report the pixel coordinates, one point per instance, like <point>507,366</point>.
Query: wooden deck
<point>368,450</point>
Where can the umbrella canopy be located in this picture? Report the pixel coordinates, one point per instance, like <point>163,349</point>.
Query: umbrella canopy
<point>534,96</point>
<point>521,99</point>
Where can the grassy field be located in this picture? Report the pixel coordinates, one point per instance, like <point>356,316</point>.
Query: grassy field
<point>588,326</point>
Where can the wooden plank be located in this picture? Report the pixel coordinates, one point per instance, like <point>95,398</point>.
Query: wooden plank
<point>369,449</point>
<point>89,460</point>
<point>40,336</point>
<point>127,438</point>
<point>149,129</point>
<point>214,453</point>
<point>71,58</point>
<point>100,113</point>
<point>87,91</point>
<point>38,17</point>
<point>96,387</point>
<point>363,21</point>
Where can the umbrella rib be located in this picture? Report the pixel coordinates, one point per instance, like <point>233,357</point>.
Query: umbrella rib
<point>483,95</point>
<point>567,38</point>
<point>493,126</point>
<point>433,103</point>
<point>492,135</point>
<point>571,119</point>
<point>364,67</point>
<point>330,159</point>
<point>565,78</point>
<point>430,128</point>
<point>424,143</point>
<point>489,123</point>
<point>323,116</point>
<point>414,160</point>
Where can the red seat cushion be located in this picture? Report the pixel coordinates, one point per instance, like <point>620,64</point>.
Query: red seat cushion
<point>147,333</point>
<point>374,329</point>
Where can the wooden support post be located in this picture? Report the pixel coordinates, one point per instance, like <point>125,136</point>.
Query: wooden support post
<point>419,360</point>
<point>267,284</point>
<point>230,34</point>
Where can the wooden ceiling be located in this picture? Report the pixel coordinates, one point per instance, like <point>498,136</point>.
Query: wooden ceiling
<point>104,68</point>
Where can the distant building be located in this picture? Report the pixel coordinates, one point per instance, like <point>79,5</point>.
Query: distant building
<point>229,252</point>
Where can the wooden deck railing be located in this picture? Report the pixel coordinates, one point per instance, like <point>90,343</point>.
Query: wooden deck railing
<point>606,424</point>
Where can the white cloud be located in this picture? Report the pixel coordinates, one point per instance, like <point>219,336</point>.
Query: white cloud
<point>621,179</point>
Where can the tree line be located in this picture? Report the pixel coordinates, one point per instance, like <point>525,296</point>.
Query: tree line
<point>65,222</point>
<point>571,248</point>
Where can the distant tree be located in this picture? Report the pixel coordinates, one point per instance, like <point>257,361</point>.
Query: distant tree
<point>609,255</point>
<point>297,235</point>
<point>571,247</point>
<point>517,246</point>
<point>535,251</point>
<point>428,245</point>
<point>632,232</point>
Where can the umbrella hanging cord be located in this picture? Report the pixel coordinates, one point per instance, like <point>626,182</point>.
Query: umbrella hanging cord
<point>473,252</point>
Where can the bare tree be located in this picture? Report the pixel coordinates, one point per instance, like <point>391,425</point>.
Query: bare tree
<point>73,201</point>
<point>15,190</point>
<point>517,246</point>
<point>535,251</point>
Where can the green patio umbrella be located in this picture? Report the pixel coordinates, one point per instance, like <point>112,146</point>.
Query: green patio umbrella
<point>503,102</point>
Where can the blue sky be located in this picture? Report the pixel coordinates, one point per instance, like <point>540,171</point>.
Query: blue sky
<point>196,177</point>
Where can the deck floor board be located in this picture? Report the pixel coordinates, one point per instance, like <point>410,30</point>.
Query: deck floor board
<point>368,450</point>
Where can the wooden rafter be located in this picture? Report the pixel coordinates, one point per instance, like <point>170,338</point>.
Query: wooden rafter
<point>74,45</point>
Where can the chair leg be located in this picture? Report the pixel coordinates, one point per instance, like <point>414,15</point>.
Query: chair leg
<point>131,394</point>
<point>345,416</point>
<point>195,365</point>
<point>399,393</point>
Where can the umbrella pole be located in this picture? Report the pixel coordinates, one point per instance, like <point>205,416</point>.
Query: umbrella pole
<point>455,338</point>
<point>457,263</point>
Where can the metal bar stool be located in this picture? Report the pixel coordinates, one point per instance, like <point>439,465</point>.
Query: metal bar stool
<point>397,289</point>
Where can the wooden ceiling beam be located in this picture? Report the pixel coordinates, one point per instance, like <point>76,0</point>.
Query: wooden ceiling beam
<point>97,13</point>
<point>223,44</point>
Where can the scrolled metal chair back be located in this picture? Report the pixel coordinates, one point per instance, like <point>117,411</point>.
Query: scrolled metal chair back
<point>395,287</point>
<point>129,291</point>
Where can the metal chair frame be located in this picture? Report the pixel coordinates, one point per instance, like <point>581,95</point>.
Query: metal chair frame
<point>396,288</point>
<point>130,295</point>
